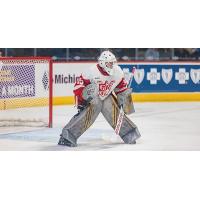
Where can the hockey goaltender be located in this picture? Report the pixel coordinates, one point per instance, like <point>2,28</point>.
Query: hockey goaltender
<point>102,89</point>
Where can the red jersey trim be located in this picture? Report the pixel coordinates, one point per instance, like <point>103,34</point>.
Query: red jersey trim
<point>121,91</point>
<point>102,71</point>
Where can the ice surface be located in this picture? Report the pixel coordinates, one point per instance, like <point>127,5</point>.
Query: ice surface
<point>35,116</point>
<point>163,126</point>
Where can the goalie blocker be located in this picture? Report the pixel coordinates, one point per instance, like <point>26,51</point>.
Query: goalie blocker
<point>110,109</point>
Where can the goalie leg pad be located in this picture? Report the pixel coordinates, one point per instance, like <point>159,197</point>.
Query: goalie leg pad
<point>110,110</point>
<point>81,122</point>
<point>129,131</point>
<point>125,99</point>
<point>70,142</point>
<point>131,137</point>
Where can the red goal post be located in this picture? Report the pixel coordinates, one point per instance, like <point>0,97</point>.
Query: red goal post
<point>26,91</point>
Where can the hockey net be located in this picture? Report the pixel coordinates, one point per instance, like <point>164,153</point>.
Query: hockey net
<point>26,91</point>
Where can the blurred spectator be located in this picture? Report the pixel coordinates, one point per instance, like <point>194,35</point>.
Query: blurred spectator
<point>125,58</point>
<point>55,53</point>
<point>84,53</point>
<point>141,53</point>
<point>124,54</point>
<point>194,53</point>
<point>90,54</point>
<point>20,52</point>
<point>197,53</point>
<point>165,54</point>
<point>152,54</point>
<point>181,54</point>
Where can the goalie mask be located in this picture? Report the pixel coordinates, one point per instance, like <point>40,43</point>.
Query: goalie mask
<point>107,61</point>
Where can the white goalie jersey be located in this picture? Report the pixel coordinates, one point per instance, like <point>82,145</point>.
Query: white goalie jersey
<point>105,83</point>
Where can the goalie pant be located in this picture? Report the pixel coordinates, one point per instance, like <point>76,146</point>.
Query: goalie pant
<point>109,108</point>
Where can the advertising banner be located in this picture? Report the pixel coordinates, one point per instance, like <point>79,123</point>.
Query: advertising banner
<point>164,77</point>
<point>17,81</point>
<point>65,75</point>
<point>147,78</point>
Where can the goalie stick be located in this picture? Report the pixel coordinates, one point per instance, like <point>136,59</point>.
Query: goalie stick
<point>131,79</point>
<point>121,112</point>
<point>119,121</point>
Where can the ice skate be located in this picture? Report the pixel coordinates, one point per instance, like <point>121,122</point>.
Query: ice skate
<point>64,142</point>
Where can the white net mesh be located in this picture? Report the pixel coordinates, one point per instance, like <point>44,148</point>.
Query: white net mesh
<point>24,92</point>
